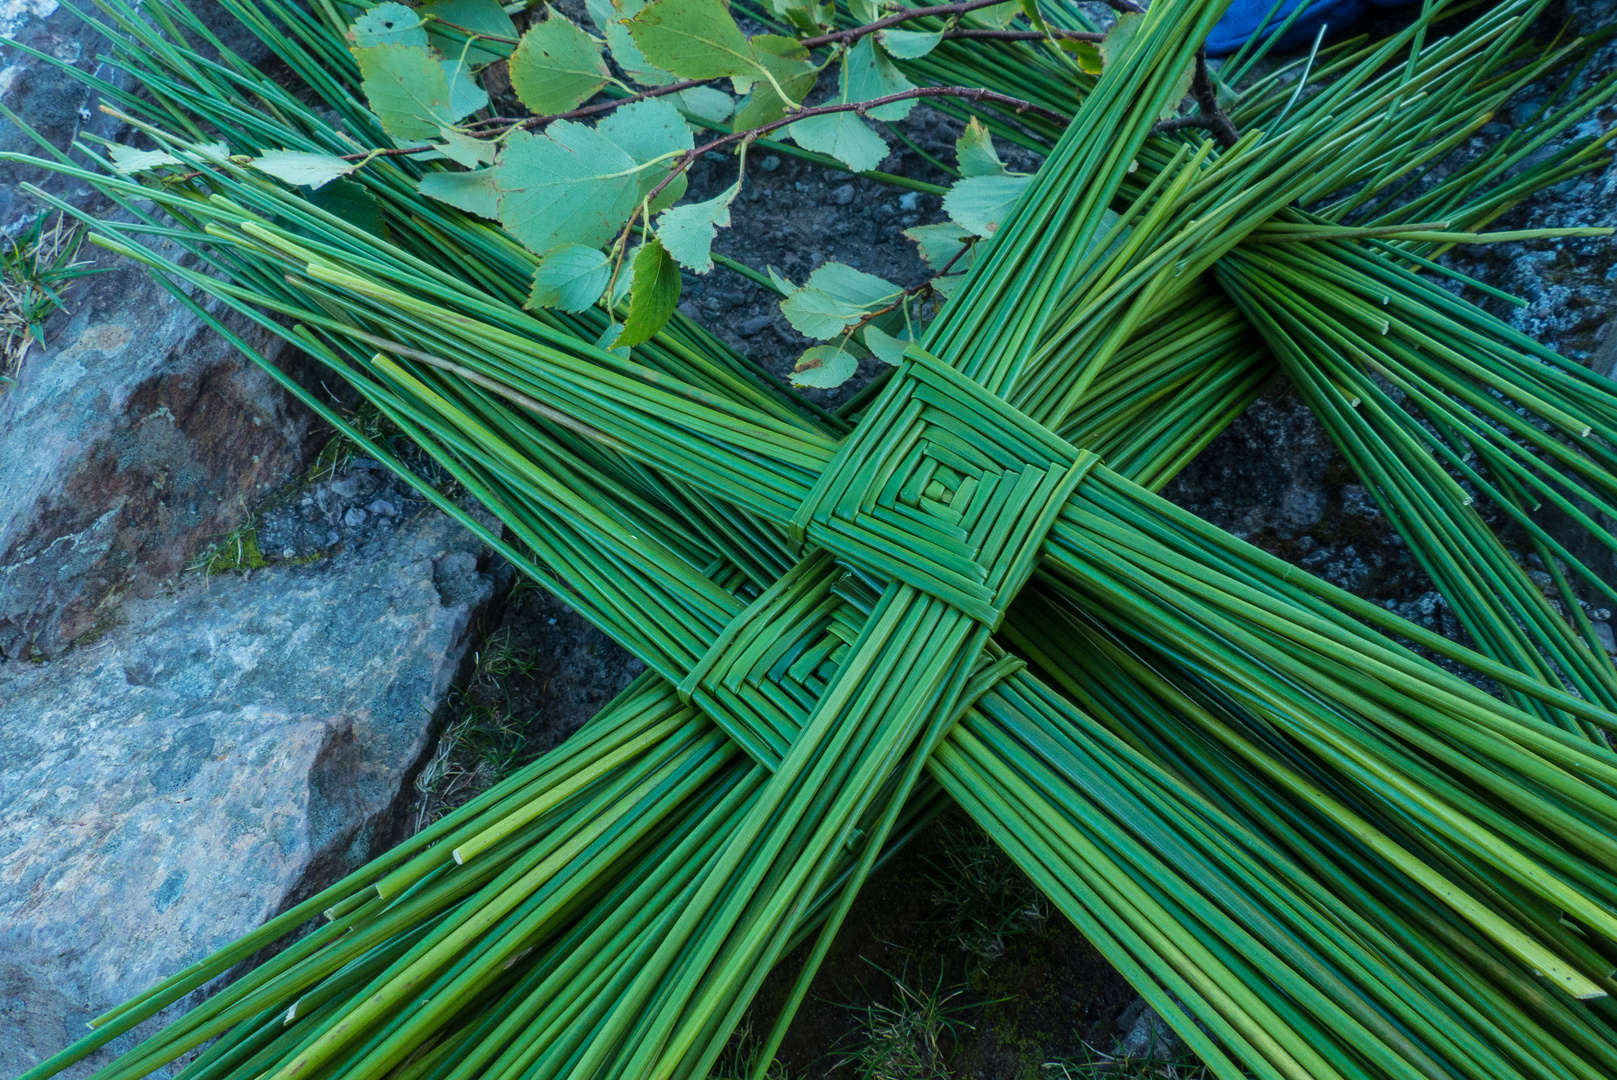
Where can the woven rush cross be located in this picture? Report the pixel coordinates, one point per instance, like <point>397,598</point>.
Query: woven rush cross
<point>818,611</point>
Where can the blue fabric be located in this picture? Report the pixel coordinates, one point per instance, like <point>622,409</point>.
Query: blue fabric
<point>1241,21</point>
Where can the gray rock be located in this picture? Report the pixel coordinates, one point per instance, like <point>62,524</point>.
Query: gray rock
<point>134,434</point>
<point>1147,1036</point>
<point>1266,471</point>
<point>223,752</point>
<point>133,437</point>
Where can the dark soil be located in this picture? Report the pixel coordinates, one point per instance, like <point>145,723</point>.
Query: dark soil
<point>795,215</point>
<point>1047,997</point>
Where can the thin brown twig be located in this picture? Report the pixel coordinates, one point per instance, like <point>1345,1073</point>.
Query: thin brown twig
<point>1201,87</point>
<point>970,93</point>
<point>505,122</point>
<point>904,294</point>
<point>494,126</point>
<point>852,34</point>
<point>469,32</point>
<point>1022,35</point>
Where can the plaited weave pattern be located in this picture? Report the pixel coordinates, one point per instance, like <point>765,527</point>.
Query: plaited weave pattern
<point>944,488</point>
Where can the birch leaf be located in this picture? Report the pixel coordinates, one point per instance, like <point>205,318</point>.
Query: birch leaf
<point>884,346</point>
<point>128,161</point>
<point>557,66</point>
<point>687,231</point>
<point>387,24</point>
<point>980,204</point>
<point>824,367</point>
<point>570,277</point>
<point>569,185</point>
<point>940,243</point>
<point>694,39</point>
<point>473,192</point>
<point>462,149</point>
<point>298,167</point>
<point>479,16</point>
<point>465,95</point>
<point>834,298</point>
<point>653,294</point>
<point>909,44</point>
<point>975,153</point>
<point>868,74</point>
<point>407,89</point>
<point>842,135</point>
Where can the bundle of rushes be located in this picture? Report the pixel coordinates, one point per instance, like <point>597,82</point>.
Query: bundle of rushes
<point>1314,851</point>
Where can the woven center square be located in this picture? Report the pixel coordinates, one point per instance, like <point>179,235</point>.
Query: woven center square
<point>945,488</point>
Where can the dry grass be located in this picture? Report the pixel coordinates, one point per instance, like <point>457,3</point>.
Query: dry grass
<point>481,739</point>
<point>34,267</point>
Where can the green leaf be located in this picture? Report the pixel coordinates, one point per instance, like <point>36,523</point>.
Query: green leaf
<point>704,102</point>
<point>571,277</point>
<point>570,185</point>
<point>788,68</point>
<point>909,44</point>
<point>557,67</point>
<point>1119,37</point>
<point>694,39</point>
<point>980,204</point>
<point>834,298</point>
<point>947,284</point>
<point>608,16</point>
<point>407,88</point>
<point>462,149</point>
<point>353,203</point>
<point>127,161</point>
<point>576,184</point>
<point>212,151</point>
<point>465,95</point>
<point>783,285</point>
<point>868,73</point>
<point>653,294</point>
<point>473,192</point>
<point>940,243</point>
<point>620,287</point>
<point>824,367</point>
<point>1187,76</point>
<point>997,17</point>
<point>300,167</point>
<point>975,152</point>
<point>648,131</point>
<point>481,16</point>
<point>387,24</point>
<point>609,337</point>
<point>1087,53</point>
<point>842,135</point>
<point>806,15</point>
<point>884,346</point>
<point>687,231</point>
<point>864,11</point>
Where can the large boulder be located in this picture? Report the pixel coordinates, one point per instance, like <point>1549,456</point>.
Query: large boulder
<point>132,438</point>
<point>220,753</point>
<point>134,434</point>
